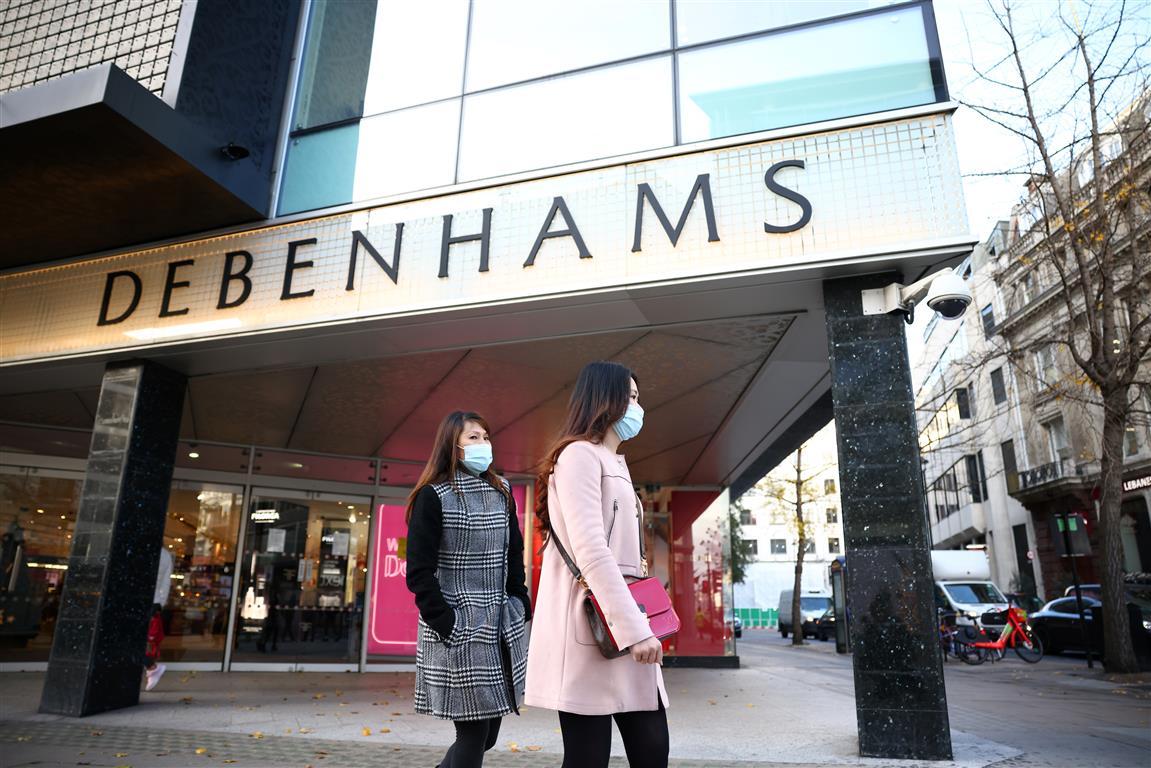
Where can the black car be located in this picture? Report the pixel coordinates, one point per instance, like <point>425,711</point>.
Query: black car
<point>1057,624</point>
<point>825,625</point>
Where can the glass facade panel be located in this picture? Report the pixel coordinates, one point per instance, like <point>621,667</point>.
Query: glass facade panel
<point>336,58</point>
<point>407,150</point>
<point>563,120</point>
<point>302,578</point>
<point>319,169</point>
<point>37,515</point>
<point>417,54</point>
<point>701,574</point>
<point>514,40</point>
<point>777,80</point>
<point>200,532</point>
<point>343,469</point>
<point>698,21</point>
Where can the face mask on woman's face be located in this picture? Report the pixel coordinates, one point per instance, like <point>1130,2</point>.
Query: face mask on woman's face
<point>631,423</point>
<point>477,458</point>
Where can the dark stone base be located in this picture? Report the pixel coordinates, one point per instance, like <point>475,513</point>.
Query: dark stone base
<point>701,662</point>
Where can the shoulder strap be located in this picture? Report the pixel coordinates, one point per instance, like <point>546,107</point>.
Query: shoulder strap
<point>578,575</point>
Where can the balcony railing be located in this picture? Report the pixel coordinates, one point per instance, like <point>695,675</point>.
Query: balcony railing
<point>1046,473</point>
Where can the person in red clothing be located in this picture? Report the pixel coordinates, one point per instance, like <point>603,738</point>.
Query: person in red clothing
<point>153,669</point>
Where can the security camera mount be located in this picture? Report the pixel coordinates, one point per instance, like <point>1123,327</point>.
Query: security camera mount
<point>896,297</point>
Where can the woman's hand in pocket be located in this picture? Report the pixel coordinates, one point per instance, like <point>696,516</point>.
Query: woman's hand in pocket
<point>648,651</point>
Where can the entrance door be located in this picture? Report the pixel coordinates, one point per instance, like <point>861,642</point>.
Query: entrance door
<point>302,578</point>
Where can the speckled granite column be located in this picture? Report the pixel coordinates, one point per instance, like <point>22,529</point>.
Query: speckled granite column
<point>98,648</point>
<point>900,699</point>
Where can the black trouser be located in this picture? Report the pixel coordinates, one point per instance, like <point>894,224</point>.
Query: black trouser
<point>587,738</point>
<point>473,738</point>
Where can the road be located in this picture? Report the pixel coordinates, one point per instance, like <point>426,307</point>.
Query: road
<point>1057,711</point>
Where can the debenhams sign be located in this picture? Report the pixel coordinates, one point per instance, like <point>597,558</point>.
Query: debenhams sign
<point>769,205</point>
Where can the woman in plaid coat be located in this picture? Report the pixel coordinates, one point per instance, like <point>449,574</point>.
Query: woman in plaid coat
<point>466,570</point>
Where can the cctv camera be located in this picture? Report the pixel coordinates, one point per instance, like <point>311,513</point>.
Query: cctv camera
<point>949,295</point>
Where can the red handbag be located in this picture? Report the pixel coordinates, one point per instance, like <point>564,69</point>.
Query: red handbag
<point>648,593</point>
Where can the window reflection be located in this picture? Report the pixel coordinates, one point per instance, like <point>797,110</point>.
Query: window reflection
<point>386,163</point>
<point>319,169</point>
<point>775,81</point>
<point>587,116</point>
<point>417,54</point>
<point>698,21</point>
<point>514,40</point>
<point>335,66</point>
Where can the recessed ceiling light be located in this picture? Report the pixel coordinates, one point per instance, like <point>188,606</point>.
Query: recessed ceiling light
<point>193,455</point>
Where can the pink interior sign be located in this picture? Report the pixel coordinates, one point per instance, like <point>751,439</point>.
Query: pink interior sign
<point>393,616</point>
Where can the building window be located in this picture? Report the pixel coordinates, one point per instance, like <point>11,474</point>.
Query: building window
<point>1010,467</point>
<point>1132,441</point>
<point>1057,438</point>
<point>998,388</point>
<point>779,546</point>
<point>828,487</point>
<point>833,546</point>
<point>1046,370</point>
<point>987,314</point>
<point>976,477</point>
<point>746,517</point>
<point>752,546</point>
<point>963,402</point>
<point>944,495</point>
<point>809,547</point>
<point>832,515</point>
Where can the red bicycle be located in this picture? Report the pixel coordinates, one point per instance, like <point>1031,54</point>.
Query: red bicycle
<point>1016,633</point>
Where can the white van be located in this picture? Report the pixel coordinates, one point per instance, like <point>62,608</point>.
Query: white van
<point>963,584</point>
<point>812,605</point>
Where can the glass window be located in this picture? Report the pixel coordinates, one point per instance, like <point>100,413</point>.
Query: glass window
<point>809,547</point>
<point>344,469</point>
<point>998,387</point>
<point>385,161</point>
<point>833,546</point>
<point>828,487</point>
<point>987,314</point>
<point>417,54</point>
<point>514,40</point>
<point>335,67</point>
<point>832,515</point>
<point>320,169</point>
<point>302,578</point>
<point>753,547</point>
<point>700,573</point>
<point>975,593</point>
<point>200,533</point>
<point>775,80</point>
<point>963,402</point>
<point>1057,438</point>
<point>1046,370</point>
<point>698,21</point>
<point>37,516</point>
<point>563,120</point>
<point>779,546</point>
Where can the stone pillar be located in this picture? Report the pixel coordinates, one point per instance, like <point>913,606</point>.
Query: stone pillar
<point>900,701</point>
<point>98,648</point>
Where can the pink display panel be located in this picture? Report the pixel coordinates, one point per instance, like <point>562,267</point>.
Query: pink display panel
<point>393,616</point>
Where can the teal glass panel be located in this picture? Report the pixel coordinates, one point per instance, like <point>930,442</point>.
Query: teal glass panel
<point>852,67</point>
<point>337,54</point>
<point>320,169</point>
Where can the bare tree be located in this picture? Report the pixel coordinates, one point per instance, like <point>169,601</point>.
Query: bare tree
<point>1085,224</point>
<point>796,493</point>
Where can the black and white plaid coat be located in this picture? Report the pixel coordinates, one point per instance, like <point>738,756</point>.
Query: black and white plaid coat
<point>465,566</point>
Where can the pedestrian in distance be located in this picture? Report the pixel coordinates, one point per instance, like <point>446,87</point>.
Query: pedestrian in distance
<point>466,570</point>
<point>153,669</point>
<point>588,504</point>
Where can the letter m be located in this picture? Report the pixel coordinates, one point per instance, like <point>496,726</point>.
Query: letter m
<point>702,185</point>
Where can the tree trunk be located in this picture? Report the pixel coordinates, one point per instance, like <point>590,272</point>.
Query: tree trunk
<point>1118,652</point>
<point>797,592</point>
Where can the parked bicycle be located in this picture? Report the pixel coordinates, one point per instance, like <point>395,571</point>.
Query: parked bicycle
<point>955,639</point>
<point>1016,633</point>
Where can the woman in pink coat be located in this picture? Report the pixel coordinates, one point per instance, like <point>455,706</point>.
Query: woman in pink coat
<point>587,503</point>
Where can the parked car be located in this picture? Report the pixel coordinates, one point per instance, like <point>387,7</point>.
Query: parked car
<point>1094,591</point>
<point>1025,603</point>
<point>825,625</point>
<point>1057,625</point>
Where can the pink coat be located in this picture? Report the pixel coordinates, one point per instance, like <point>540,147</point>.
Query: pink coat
<point>589,494</point>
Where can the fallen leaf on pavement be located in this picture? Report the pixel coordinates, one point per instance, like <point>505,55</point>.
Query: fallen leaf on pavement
<point>119,754</point>
<point>305,730</point>
<point>385,730</point>
<point>513,747</point>
<point>366,731</point>
<point>534,748</point>
<point>201,750</point>
<point>257,734</point>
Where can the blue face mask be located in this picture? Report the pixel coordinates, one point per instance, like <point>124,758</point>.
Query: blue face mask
<point>477,458</point>
<point>631,423</point>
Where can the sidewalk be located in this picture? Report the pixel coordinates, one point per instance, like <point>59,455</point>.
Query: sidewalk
<point>785,707</point>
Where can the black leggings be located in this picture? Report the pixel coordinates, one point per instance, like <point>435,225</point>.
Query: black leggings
<point>473,738</point>
<point>587,738</point>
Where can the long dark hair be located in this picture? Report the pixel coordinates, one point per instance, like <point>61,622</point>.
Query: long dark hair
<point>600,399</point>
<point>444,461</point>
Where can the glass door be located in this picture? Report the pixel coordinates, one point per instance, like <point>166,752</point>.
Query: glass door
<point>302,578</point>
